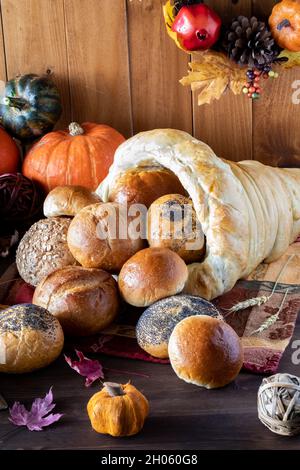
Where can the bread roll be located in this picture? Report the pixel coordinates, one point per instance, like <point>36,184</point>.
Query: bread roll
<point>173,224</point>
<point>99,237</point>
<point>156,324</point>
<point>68,200</point>
<point>43,249</point>
<point>150,275</point>
<point>85,301</point>
<point>144,186</point>
<point>205,351</point>
<point>30,338</point>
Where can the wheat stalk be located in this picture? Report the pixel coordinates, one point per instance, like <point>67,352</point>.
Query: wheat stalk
<point>258,300</point>
<point>271,320</point>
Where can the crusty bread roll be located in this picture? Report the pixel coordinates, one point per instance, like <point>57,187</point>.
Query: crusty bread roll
<point>173,224</point>
<point>99,237</point>
<point>68,200</point>
<point>205,351</point>
<point>144,185</point>
<point>154,328</point>
<point>30,337</point>
<point>43,249</point>
<point>249,212</point>
<point>150,275</point>
<point>85,301</point>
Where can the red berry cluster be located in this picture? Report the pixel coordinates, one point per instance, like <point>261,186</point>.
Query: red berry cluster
<point>253,88</point>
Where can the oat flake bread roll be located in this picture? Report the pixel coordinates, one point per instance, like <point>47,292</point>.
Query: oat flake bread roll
<point>249,212</point>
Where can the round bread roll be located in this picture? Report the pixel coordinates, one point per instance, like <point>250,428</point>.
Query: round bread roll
<point>99,237</point>
<point>145,185</point>
<point>205,351</point>
<point>68,200</point>
<point>43,249</point>
<point>173,224</point>
<point>85,301</point>
<point>30,338</point>
<point>151,275</point>
<point>156,324</point>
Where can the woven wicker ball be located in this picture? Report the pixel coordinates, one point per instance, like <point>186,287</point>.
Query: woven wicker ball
<point>20,198</point>
<point>279,404</point>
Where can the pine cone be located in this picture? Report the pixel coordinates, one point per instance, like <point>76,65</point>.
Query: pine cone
<point>249,42</point>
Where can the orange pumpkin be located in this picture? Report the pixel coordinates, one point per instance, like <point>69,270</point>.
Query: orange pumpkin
<point>80,156</point>
<point>9,153</point>
<point>285,24</point>
<point>118,410</point>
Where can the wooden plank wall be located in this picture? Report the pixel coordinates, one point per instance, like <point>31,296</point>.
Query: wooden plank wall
<point>114,63</point>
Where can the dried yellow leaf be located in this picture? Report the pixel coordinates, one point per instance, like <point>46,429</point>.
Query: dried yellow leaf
<point>169,17</point>
<point>293,59</point>
<point>212,73</point>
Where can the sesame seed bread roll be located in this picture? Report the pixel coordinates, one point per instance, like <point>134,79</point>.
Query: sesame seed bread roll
<point>43,249</point>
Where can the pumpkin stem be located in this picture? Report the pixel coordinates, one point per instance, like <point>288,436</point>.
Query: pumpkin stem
<point>13,102</point>
<point>75,129</point>
<point>114,389</point>
<point>284,24</point>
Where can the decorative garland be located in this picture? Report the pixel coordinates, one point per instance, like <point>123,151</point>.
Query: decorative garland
<point>237,56</point>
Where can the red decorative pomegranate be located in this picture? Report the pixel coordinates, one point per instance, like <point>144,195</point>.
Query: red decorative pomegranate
<point>198,27</point>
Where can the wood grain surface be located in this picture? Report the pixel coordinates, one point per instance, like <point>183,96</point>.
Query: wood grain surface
<point>114,63</point>
<point>34,36</point>
<point>276,119</point>
<point>3,75</point>
<point>158,99</point>
<point>97,46</point>
<point>226,125</point>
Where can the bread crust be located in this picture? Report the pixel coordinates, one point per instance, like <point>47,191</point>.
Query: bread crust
<point>150,275</point>
<point>68,200</point>
<point>31,336</point>
<point>144,185</point>
<point>205,351</point>
<point>249,212</point>
<point>85,301</point>
<point>43,249</point>
<point>93,251</point>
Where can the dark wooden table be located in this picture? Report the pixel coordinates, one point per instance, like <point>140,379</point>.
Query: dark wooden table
<point>182,416</point>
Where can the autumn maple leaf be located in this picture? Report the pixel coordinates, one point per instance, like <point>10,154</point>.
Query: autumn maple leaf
<point>36,418</point>
<point>91,369</point>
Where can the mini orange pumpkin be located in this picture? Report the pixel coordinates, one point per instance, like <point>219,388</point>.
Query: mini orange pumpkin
<point>285,24</point>
<point>118,410</point>
<point>81,156</point>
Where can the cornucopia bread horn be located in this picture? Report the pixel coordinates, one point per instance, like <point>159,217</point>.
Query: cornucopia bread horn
<point>249,212</point>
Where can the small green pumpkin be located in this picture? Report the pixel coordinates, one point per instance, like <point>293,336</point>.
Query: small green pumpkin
<point>30,106</point>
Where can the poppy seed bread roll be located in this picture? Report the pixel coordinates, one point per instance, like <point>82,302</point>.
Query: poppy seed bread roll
<point>173,224</point>
<point>150,275</point>
<point>157,322</point>
<point>30,338</point>
<point>205,351</point>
